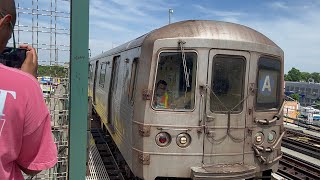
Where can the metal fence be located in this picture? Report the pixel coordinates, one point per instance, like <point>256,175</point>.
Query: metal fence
<point>45,25</point>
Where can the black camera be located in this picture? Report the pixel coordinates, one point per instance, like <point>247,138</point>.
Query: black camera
<point>12,58</point>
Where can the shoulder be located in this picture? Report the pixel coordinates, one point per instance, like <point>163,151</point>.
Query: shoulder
<point>23,79</point>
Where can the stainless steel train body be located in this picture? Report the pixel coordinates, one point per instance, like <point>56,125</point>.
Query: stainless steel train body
<point>224,99</point>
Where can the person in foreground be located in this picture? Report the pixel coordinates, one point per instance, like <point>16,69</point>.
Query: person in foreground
<point>26,141</point>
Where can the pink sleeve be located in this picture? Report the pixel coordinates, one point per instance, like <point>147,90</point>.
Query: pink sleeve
<point>38,151</point>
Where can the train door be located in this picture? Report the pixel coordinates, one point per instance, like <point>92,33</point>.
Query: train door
<point>113,99</point>
<point>226,107</point>
<point>95,81</point>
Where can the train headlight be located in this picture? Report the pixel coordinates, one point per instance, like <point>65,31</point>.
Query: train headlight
<point>183,140</point>
<point>258,138</point>
<point>272,136</point>
<point>163,139</point>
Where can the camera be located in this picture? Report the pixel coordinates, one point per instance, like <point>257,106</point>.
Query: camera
<point>13,58</point>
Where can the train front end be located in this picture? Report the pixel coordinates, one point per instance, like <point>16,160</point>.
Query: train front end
<point>213,105</point>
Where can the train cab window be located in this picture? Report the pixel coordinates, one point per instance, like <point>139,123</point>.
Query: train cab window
<point>102,76</point>
<point>175,81</point>
<point>268,84</point>
<point>227,83</point>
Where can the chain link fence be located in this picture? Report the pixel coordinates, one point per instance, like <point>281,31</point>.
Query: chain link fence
<point>46,26</point>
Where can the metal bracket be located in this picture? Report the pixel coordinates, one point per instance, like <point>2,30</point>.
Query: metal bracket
<point>252,88</point>
<point>144,158</point>
<point>144,130</point>
<point>146,94</point>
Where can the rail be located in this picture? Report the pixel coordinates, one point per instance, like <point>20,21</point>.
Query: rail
<point>294,168</point>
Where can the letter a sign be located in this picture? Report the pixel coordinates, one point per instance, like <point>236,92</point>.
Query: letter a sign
<point>267,84</point>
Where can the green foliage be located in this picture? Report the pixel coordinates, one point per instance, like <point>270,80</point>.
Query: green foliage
<point>317,105</point>
<point>315,76</point>
<point>295,75</point>
<point>305,76</point>
<point>295,96</point>
<point>53,71</point>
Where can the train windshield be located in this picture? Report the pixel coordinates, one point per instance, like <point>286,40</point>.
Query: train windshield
<point>228,73</point>
<point>268,84</point>
<point>175,81</point>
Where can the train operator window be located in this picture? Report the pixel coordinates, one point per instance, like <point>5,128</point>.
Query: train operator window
<point>102,77</point>
<point>227,84</point>
<point>268,84</point>
<point>175,81</point>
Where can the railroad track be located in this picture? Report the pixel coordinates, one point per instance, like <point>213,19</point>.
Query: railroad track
<point>102,142</point>
<point>294,168</point>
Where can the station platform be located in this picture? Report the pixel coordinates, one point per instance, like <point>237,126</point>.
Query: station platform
<point>295,127</point>
<point>301,156</point>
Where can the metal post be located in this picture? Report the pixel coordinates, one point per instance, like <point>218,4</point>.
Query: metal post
<point>170,12</point>
<point>78,89</point>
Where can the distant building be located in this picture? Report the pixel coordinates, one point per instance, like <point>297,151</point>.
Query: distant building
<point>309,91</point>
<point>290,110</point>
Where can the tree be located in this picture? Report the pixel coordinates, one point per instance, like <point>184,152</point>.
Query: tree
<point>295,96</point>
<point>293,75</point>
<point>52,71</point>
<point>316,77</point>
<point>305,76</point>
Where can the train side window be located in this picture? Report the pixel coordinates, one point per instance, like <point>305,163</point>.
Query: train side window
<point>227,84</point>
<point>102,76</point>
<point>90,72</point>
<point>134,70</point>
<point>175,81</point>
<point>268,82</point>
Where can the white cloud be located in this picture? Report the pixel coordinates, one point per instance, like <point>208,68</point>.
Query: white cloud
<point>108,26</point>
<point>279,5</point>
<point>230,16</point>
<point>292,25</point>
<point>297,36</point>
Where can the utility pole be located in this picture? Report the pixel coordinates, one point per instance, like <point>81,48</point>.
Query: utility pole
<point>170,12</point>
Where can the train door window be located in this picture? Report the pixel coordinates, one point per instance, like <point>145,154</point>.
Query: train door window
<point>102,74</point>
<point>268,83</point>
<point>134,70</point>
<point>175,81</point>
<point>90,72</point>
<point>227,84</point>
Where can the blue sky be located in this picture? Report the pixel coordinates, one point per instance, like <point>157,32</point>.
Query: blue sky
<point>292,24</point>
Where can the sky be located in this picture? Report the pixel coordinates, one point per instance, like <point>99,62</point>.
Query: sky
<point>294,25</point>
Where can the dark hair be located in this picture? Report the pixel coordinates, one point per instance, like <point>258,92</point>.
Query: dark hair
<point>161,82</point>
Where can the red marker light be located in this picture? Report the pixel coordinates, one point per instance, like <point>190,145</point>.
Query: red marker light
<point>163,139</point>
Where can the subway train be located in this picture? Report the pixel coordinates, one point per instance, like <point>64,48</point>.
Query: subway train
<point>195,99</point>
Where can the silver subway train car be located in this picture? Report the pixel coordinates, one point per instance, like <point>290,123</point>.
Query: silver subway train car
<point>194,99</point>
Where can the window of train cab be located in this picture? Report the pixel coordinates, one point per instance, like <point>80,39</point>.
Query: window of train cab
<point>175,81</point>
<point>268,84</point>
<point>227,83</point>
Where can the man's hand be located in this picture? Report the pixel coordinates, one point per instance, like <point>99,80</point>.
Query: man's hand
<point>30,65</point>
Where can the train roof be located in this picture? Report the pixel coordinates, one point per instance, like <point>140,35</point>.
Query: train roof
<point>199,29</point>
